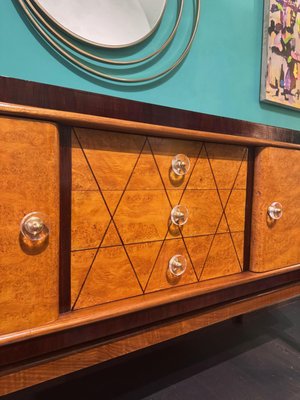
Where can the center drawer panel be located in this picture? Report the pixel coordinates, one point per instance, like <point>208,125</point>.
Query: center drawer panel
<point>123,191</point>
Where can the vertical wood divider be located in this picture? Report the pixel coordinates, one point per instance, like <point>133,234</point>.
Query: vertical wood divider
<point>248,209</point>
<point>65,167</point>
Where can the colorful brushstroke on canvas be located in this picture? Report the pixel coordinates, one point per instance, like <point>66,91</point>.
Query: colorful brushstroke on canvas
<point>281,53</point>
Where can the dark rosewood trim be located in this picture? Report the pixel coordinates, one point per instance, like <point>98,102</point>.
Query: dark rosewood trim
<point>248,209</point>
<point>65,167</point>
<point>33,94</point>
<point>72,339</point>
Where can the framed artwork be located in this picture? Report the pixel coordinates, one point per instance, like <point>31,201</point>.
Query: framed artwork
<point>280,81</point>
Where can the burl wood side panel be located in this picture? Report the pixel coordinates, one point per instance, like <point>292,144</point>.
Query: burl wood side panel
<point>29,181</point>
<point>123,191</point>
<point>276,244</point>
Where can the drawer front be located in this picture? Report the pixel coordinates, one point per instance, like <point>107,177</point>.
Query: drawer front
<point>123,192</point>
<point>275,243</point>
<point>29,182</point>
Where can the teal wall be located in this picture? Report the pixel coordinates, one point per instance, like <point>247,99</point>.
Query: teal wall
<point>221,75</point>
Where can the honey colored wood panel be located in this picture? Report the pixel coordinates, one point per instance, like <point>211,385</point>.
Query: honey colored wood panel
<point>111,278</point>
<point>241,180</point>
<point>52,368</point>
<point>80,264</point>
<point>143,216</point>
<point>202,176</point>
<point>225,161</point>
<point>222,259</point>
<point>145,175</point>
<point>235,210</point>
<point>238,240</point>
<point>224,196</point>
<point>29,181</point>
<point>175,196</point>
<point>205,212</point>
<point>90,219</point>
<point>112,155</point>
<point>111,237</point>
<point>112,199</point>
<point>276,244</point>
<point>143,257</point>
<point>82,177</point>
<point>165,150</point>
<point>198,248</point>
<point>223,226</point>
<point>161,278</point>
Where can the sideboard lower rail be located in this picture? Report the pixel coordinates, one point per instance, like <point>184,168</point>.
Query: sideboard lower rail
<point>84,326</point>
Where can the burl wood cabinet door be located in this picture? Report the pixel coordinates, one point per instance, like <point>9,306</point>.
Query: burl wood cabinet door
<point>29,182</point>
<point>276,231</point>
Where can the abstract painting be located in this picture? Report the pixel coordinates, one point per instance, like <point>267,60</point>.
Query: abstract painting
<point>280,81</point>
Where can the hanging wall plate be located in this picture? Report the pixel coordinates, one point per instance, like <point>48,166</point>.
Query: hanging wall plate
<point>112,39</point>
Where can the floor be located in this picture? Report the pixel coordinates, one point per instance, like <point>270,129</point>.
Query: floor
<point>258,359</point>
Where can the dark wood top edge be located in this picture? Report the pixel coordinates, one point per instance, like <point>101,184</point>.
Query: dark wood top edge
<point>17,91</point>
<point>21,351</point>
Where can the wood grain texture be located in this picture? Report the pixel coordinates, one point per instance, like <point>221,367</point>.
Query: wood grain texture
<point>143,257</point>
<point>29,180</point>
<point>143,216</point>
<point>117,124</point>
<point>164,150</point>
<point>145,175</point>
<point>99,322</point>
<point>49,98</point>
<point>81,261</point>
<point>276,244</point>
<point>225,161</point>
<point>90,219</point>
<point>205,212</point>
<point>202,176</point>
<point>198,248</point>
<point>51,368</point>
<point>110,278</point>
<point>111,155</point>
<point>235,210</point>
<point>111,237</point>
<point>160,277</point>
<point>222,259</point>
<point>82,178</point>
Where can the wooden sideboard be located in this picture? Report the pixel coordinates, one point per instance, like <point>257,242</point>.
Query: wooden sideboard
<point>102,281</point>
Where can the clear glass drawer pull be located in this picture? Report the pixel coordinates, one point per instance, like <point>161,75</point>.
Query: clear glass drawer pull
<point>179,215</point>
<point>34,227</point>
<point>181,164</point>
<point>275,210</point>
<point>177,265</point>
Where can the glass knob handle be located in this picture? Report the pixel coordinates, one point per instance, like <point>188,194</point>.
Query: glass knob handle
<point>181,164</point>
<point>275,210</point>
<point>34,226</point>
<point>177,265</point>
<point>179,215</point>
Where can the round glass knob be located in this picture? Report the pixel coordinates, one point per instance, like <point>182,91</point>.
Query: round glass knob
<point>181,164</point>
<point>179,215</point>
<point>33,226</point>
<point>275,210</point>
<point>177,265</point>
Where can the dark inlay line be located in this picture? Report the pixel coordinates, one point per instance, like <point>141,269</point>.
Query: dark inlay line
<point>65,168</point>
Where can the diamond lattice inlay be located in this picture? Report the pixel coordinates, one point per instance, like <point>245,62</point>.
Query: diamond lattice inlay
<point>123,192</point>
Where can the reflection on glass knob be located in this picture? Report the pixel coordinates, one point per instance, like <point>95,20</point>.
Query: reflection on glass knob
<point>177,265</point>
<point>275,210</point>
<point>34,227</point>
<point>181,164</point>
<point>179,215</point>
